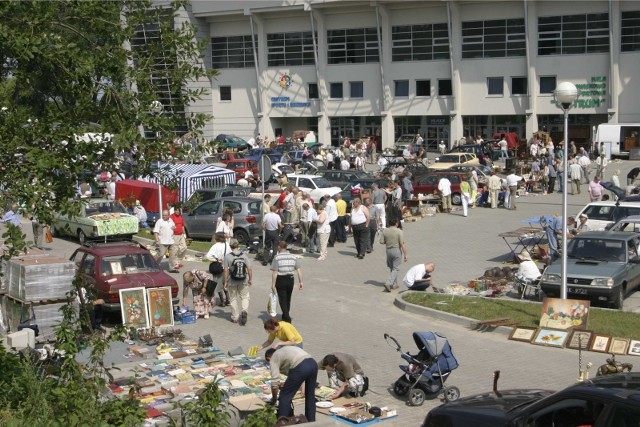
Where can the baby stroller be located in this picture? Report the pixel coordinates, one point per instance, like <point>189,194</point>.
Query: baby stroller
<point>426,371</point>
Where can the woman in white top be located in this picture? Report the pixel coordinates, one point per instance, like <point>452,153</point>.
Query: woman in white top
<point>324,229</point>
<point>225,226</point>
<point>217,252</point>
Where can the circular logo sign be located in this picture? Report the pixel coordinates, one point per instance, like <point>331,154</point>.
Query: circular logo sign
<point>285,81</point>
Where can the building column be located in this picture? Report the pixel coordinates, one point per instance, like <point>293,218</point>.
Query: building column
<point>455,41</point>
<point>531,28</point>
<point>388,132</point>
<point>614,61</point>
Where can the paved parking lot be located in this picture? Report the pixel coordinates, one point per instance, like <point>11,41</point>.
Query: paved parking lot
<point>343,307</point>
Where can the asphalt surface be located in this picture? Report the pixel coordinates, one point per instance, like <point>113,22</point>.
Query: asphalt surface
<point>343,307</point>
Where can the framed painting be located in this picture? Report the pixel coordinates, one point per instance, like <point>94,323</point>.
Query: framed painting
<point>579,339</point>
<point>600,343</point>
<point>522,334</point>
<point>160,307</point>
<point>550,337</point>
<point>560,313</point>
<point>634,348</point>
<point>619,345</point>
<point>133,305</point>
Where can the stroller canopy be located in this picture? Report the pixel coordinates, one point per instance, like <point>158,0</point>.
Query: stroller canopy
<point>438,347</point>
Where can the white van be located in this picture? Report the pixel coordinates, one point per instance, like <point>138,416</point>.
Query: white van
<point>618,138</point>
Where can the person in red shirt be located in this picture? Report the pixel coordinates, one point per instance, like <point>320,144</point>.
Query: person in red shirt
<point>281,139</point>
<point>179,246</point>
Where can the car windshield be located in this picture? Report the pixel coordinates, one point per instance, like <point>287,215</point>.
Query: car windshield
<point>286,169</point>
<point>322,182</point>
<point>96,208</point>
<point>449,159</point>
<point>405,139</point>
<point>234,138</point>
<point>116,265</point>
<point>597,249</point>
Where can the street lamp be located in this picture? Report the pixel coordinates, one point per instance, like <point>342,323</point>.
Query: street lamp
<point>565,94</point>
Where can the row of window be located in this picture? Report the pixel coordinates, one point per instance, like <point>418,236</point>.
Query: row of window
<point>496,38</point>
<point>495,87</point>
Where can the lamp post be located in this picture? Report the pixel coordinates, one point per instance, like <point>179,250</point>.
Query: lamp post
<point>565,94</point>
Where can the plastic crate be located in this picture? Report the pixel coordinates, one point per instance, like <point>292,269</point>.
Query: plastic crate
<point>186,317</point>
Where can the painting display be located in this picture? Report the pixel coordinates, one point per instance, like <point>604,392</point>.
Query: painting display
<point>550,337</point>
<point>600,343</point>
<point>619,346</point>
<point>133,306</point>
<point>560,313</point>
<point>160,307</point>
<point>579,339</point>
<point>522,334</point>
<point>634,348</point>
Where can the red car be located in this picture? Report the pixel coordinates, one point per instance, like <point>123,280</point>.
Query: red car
<point>109,267</point>
<point>240,166</point>
<point>428,183</point>
<point>224,158</point>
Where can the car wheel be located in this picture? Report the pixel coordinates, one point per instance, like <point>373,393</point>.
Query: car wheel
<point>416,397</point>
<point>618,302</point>
<point>82,238</point>
<point>456,199</point>
<point>241,236</point>
<point>451,394</point>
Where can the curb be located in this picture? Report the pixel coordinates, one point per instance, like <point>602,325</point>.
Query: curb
<point>448,317</point>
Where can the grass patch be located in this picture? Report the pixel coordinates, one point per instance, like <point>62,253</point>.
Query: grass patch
<point>610,322</point>
<point>196,245</point>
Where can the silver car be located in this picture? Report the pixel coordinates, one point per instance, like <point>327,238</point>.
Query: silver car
<point>200,223</point>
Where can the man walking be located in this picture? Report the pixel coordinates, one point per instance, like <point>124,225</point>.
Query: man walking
<point>374,222</point>
<point>237,280</point>
<point>163,230</point>
<point>341,224</point>
<point>393,239</point>
<point>379,198</point>
<point>575,173</point>
<point>418,278</point>
<point>179,247</point>
<point>601,165</point>
<point>494,189</point>
<point>273,226</point>
<point>585,164</point>
<point>283,266</point>
<point>360,227</point>
<point>512,185</point>
<point>332,214</point>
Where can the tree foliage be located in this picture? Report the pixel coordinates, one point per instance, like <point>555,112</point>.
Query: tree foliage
<point>72,67</point>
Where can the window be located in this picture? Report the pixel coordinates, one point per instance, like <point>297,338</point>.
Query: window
<point>495,85</point>
<point>519,86</point>
<point>232,52</point>
<point>423,87</point>
<point>352,46</point>
<point>419,42</point>
<point>287,49</point>
<point>566,412</point>
<point>630,31</point>
<point>497,38</point>
<point>88,265</point>
<point>313,91</point>
<point>573,34</point>
<point>547,84</point>
<point>444,87</point>
<point>225,93</point>
<point>401,88</point>
<point>335,90</point>
<point>357,89</point>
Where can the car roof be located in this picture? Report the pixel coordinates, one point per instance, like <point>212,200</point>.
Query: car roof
<point>622,386</point>
<point>235,199</point>
<point>113,248</point>
<point>613,203</point>
<point>304,176</point>
<point>610,235</point>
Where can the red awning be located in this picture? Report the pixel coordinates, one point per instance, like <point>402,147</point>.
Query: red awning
<point>130,190</point>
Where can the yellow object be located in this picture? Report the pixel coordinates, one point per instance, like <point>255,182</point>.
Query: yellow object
<point>163,348</point>
<point>253,350</point>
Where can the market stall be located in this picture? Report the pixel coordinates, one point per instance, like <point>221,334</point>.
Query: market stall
<point>191,177</point>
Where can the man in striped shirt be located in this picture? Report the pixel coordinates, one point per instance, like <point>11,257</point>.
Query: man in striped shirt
<point>283,266</point>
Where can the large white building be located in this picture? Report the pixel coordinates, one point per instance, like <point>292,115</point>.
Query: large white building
<point>444,69</point>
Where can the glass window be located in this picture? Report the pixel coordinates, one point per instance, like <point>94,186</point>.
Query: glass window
<point>306,183</point>
<point>352,46</point>
<point>422,42</point>
<point>573,34</point>
<point>335,90</point>
<point>547,84</point>
<point>444,87</point>
<point>401,88</point>
<point>207,208</point>
<point>495,85</point>
<point>519,86</point>
<point>356,90</point>
<point>423,87</point>
<point>287,49</point>
<point>232,52</point>
<point>225,93</point>
<point>313,91</point>
<point>88,265</point>
<point>568,412</point>
<point>630,31</point>
<point>496,38</point>
<point>234,206</point>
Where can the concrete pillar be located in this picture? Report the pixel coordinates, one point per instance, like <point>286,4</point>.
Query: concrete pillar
<point>388,130</point>
<point>324,129</point>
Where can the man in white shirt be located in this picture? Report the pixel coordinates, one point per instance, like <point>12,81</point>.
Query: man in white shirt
<point>344,165</point>
<point>444,187</point>
<point>332,216</point>
<point>382,162</point>
<point>418,278</point>
<point>163,231</point>
<point>601,165</point>
<point>527,270</point>
<point>512,185</point>
<point>504,146</point>
<point>575,175</point>
<point>329,159</point>
<point>273,226</point>
<point>313,243</point>
<point>407,153</point>
<point>585,164</point>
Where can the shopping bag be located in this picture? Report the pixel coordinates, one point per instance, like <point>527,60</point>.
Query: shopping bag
<point>48,237</point>
<point>272,305</point>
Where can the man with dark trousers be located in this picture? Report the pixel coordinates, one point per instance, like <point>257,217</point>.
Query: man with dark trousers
<point>300,368</point>
<point>283,266</point>
<point>273,226</point>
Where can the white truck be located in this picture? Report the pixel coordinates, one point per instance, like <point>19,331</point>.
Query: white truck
<point>618,138</point>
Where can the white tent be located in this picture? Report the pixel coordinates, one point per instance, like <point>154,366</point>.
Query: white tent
<point>192,177</point>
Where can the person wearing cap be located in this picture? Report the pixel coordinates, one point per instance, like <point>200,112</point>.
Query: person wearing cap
<point>582,225</point>
<point>528,269</point>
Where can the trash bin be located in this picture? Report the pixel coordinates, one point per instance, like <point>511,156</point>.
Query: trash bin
<point>511,163</point>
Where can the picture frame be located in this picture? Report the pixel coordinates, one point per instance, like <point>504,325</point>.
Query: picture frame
<point>550,337</point>
<point>634,348</point>
<point>574,339</point>
<point>522,334</point>
<point>600,343</point>
<point>619,345</point>
<point>133,306</point>
<point>558,313</point>
<point>160,307</point>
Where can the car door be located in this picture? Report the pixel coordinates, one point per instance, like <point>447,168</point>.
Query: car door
<point>86,265</point>
<point>567,411</point>
<point>633,262</point>
<point>201,222</point>
<point>426,185</point>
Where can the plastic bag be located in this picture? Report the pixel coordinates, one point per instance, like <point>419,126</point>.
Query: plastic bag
<point>272,304</point>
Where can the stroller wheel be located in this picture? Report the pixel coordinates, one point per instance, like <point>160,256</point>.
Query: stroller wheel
<point>416,397</point>
<point>451,394</point>
<point>400,389</point>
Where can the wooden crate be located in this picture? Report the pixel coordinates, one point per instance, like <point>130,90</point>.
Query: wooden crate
<point>39,277</point>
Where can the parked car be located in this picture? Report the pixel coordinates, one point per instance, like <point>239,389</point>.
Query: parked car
<point>240,166</point>
<point>606,401</point>
<point>204,194</point>
<point>255,154</point>
<point>483,172</point>
<point>428,183</point>
<point>446,161</point>
<point>354,189</point>
<point>603,214</point>
<point>98,219</point>
<point>602,266</point>
<point>482,151</point>
<point>278,169</point>
<point>340,178</point>
<point>110,267</point>
<point>232,142</point>
<point>289,146</point>
<point>403,142</point>
<point>312,166</point>
<point>630,223</point>
<point>415,167</point>
<point>200,222</point>
<point>316,186</point>
<point>293,157</point>
<point>223,158</point>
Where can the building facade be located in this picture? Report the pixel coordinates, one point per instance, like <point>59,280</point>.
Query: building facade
<point>444,69</point>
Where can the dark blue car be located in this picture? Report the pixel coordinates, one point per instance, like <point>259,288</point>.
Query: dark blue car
<point>256,153</point>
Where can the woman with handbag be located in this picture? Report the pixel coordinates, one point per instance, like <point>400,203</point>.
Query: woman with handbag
<point>216,255</point>
<point>197,280</point>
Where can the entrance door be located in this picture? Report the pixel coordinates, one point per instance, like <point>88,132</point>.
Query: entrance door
<point>345,126</point>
